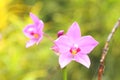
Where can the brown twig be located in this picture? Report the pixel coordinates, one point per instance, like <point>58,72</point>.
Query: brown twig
<point>105,50</point>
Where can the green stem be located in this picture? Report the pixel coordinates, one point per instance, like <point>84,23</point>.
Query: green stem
<point>65,73</point>
<point>49,37</point>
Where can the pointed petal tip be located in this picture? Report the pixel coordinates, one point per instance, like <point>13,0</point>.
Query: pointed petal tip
<point>62,66</point>
<point>95,41</point>
<point>74,31</point>
<point>42,22</point>
<point>34,17</point>
<point>36,20</point>
<point>31,14</point>
<point>75,25</point>
<point>88,66</point>
<point>30,43</point>
<point>75,22</point>
<point>27,46</point>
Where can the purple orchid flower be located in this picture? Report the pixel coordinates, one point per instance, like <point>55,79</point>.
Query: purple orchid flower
<point>74,47</point>
<point>34,31</point>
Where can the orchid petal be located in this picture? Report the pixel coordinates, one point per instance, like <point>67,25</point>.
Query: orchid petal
<point>74,31</point>
<point>30,43</point>
<point>64,59</point>
<point>87,44</point>
<point>38,23</point>
<point>83,59</point>
<point>63,43</point>
<point>29,29</point>
<point>55,49</point>
<point>40,38</point>
<point>34,18</point>
<point>40,28</point>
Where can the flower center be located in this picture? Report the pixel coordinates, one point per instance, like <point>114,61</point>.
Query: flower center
<point>74,50</point>
<point>35,35</point>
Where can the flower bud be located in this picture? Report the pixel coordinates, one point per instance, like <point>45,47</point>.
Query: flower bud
<point>60,33</point>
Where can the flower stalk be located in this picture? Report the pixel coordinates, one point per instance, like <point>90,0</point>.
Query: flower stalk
<point>49,37</point>
<point>64,73</point>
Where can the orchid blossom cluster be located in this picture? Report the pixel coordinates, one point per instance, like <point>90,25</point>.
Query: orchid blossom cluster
<point>69,47</point>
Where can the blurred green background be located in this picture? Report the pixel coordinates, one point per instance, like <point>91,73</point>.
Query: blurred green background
<point>95,17</point>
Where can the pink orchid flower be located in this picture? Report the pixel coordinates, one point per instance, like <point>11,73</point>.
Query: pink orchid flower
<point>34,31</point>
<point>74,47</point>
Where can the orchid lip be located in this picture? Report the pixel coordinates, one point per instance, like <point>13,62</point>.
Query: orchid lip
<point>75,49</point>
<point>35,35</point>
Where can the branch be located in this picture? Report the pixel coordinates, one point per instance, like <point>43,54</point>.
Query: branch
<point>105,50</point>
